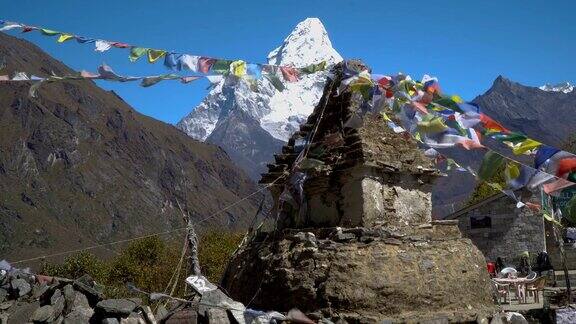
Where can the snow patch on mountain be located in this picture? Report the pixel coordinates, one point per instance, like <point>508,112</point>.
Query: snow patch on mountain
<point>564,87</point>
<point>279,112</point>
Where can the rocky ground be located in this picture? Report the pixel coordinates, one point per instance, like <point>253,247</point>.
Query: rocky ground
<point>40,299</point>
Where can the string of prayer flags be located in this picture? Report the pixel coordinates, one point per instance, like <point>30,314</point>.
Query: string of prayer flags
<point>177,61</point>
<point>106,73</point>
<point>440,121</point>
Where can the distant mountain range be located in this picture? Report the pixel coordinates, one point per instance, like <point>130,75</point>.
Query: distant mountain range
<point>547,114</point>
<point>79,166</point>
<point>252,126</point>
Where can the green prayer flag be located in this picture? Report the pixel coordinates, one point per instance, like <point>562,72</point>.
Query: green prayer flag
<point>136,53</point>
<point>448,103</point>
<point>221,67</point>
<point>490,165</point>
<point>150,81</point>
<point>313,68</point>
<point>432,125</point>
<point>276,82</point>
<point>49,32</point>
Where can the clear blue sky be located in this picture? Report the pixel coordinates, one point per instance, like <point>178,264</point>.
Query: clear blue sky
<point>467,44</point>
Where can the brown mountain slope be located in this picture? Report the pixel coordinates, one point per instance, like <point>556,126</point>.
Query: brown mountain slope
<point>78,165</point>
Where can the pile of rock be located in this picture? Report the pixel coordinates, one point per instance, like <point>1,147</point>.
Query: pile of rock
<point>40,299</point>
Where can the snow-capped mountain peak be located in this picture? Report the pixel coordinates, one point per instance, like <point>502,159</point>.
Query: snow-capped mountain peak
<point>564,87</point>
<point>273,115</point>
<point>307,44</point>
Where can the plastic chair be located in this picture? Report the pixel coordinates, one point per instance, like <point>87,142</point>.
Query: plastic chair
<point>535,287</point>
<point>503,291</point>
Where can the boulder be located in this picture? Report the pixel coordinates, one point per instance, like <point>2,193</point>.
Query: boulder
<point>110,320</point>
<point>38,291</point>
<point>133,318</point>
<point>89,291</point>
<point>3,294</point>
<point>20,312</point>
<point>21,286</point>
<point>118,306</point>
<point>58,302</point>
<point>42,314</point>
<point>79,315</point>
<point>69,295</point>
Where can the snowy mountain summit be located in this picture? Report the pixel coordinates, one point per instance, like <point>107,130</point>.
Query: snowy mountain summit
<point>232,115</point>
<point>564,87</point>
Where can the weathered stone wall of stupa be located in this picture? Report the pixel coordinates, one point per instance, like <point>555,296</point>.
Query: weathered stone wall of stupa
<point>354,237</point>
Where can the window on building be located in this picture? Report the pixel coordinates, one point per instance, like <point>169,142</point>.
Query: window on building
<point>480,222</point>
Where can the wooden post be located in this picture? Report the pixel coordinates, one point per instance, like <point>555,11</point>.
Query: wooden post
<point>193,244</point>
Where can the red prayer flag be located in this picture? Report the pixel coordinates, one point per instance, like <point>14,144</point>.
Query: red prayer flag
<point>205,63</point>
<point>290,74</point>
<point>566,166</point>
<point>492,124</point>
<point>27,29</point>
<point>120,45</point>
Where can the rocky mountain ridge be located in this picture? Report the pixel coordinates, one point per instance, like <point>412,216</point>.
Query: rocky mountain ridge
<point>79,166</point>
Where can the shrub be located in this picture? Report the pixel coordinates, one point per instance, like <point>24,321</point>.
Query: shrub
<point>149,264</point>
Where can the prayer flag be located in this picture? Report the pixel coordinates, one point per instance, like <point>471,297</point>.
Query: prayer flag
<point>120,45</point>
<point>27,29</point>
<point>154,55</point>
<point>102,46</point>
<point>83,40</point>
<point>221,66</point>
<point>313,68</point>
<point>136,53</point>
<point>238,68</point>
<point>205,64</point>
<point>490,165</point>
<point>189,62</point>
<point>171,60</point>
<point>189,79</point>
<point>10,26</point>
<point>64,37</point>
<point>254,69</point>
<point>49,32</point>
<point>290,74</point>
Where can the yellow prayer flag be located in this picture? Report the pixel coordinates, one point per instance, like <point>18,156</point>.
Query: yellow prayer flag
<point>154,55</point>
<point>457,99</point>
<point>512,171</point>
<point>238,68</point>
<point>527,145</point>
<point>64,37</point>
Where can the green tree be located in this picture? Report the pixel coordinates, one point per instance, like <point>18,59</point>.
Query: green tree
<point>483,190</point>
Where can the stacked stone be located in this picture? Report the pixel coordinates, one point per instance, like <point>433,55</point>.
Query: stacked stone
<point>350,153</point>
<point>40,299</point>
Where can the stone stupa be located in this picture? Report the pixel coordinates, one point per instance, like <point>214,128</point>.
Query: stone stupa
<point>353,236</point>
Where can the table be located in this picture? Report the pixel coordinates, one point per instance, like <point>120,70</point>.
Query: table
<point>518,283</point>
